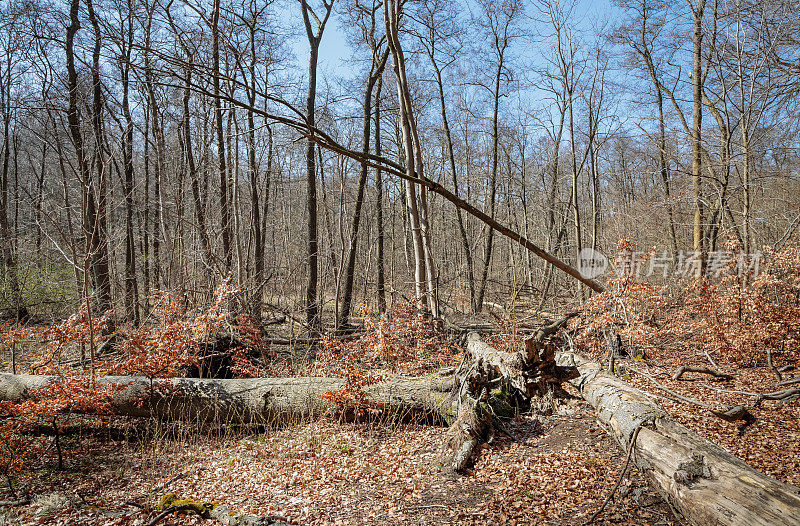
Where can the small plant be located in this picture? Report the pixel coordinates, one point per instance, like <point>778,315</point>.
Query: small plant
<point>401,341</point>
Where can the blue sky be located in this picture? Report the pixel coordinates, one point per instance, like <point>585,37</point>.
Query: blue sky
<point>335,52</point>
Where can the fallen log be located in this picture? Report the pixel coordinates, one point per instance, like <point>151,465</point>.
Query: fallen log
<point>249,400</point>
<point>701,480</point>
<point>489,385</point>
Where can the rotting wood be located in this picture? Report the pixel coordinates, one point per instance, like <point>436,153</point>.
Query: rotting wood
<point>733,493</point>
<point>493,385</point>
<point>249,400</point>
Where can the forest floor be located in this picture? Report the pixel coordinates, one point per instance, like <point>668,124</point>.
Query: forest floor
<point>556,470</point>
<point>771,444</point>
<point>548,470</point>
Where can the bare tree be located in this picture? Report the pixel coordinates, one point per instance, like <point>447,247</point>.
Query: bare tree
<point>498,19</point>
<point>437,27</point>
<point>380,53</point>
<point>424,273</point>
<point>314,31</point>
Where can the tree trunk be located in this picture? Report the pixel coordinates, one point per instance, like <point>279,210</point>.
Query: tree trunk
<point>451,157</point>
<point>225,213</point>
<point>490,383</point>
<point>424,279</point>
<point>251,400</point>
<point>487,254</point>
<point>314,38</point>
<point>194,180</point>
<point>257,226</point>
<point>131,288</point>
<point>94,220</point>
<point>697,121</point>
<point>376,71</point>
<point>381,263</point>
<point>6,239</point>
<point>704,482</point>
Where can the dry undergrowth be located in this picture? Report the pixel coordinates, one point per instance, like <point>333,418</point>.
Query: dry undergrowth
<point>556,472</point>
<point>728,323</point>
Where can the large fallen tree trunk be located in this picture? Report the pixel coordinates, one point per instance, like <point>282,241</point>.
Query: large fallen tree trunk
<point>489,385</point>
<point>248,400</point>
<point>704,482</point>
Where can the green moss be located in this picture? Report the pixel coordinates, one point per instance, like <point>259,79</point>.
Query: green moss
<point>501,407</point>
<point>171,500</point>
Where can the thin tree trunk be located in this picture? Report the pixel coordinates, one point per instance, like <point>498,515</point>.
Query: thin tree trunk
<point>487,254</point>
<point>697,121</point>
<point>392,18</point>
<point>313,317</point>
<point>6,239</point>
<point>131,289</point>
<point>194,181</point>
<point>258,237</point>
<point>95,224</point>
<point>576,210</point>
<point>380,265</point>
<point>451,158</point>
<point>376,71</point>
<point>225,213</point>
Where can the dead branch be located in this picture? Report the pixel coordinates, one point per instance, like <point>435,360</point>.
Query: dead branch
<point>554,327</point>
<point>667,390</point>
<point>772,365</point>
<point>703,370</point>
<point>777,396</point>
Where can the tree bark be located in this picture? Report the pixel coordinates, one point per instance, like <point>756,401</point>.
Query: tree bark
<point>252,400</point>
<point>697,121</point>
<point>704,482</point>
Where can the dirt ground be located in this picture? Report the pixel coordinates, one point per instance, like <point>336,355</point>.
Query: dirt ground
<point>555,470</point>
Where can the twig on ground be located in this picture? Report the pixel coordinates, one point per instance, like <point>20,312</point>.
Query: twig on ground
<point>772,366</point>
<point>670,391</point>
<point>704,370</point>
<point>711,360</point>
<point>168,511</point>
<point>777,396</point>
<point>611,493</point>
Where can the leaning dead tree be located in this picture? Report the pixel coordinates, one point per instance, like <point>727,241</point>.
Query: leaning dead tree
<point>310,131</point>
